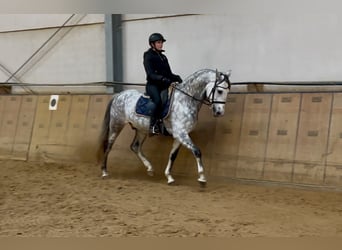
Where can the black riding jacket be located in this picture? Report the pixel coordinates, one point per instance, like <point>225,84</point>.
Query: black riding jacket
<point>157,67</point>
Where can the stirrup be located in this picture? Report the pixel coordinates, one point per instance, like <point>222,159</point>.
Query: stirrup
<point>155,129</point>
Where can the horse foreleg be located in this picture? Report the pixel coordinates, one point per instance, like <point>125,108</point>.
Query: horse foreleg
<point>187,142</point>
<point>201,179</point>
<point>172,157</point>
<point>136,147</point>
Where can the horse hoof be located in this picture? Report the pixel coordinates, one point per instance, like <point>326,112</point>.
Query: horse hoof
<point>203,184</point>
<point>104,175</point>
<point>150,173</point>
<point>171,183</point>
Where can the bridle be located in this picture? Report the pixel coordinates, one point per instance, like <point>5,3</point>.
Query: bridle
<point>210,100</point>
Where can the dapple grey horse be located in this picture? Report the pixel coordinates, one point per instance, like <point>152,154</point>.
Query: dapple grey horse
<point>204,86</point>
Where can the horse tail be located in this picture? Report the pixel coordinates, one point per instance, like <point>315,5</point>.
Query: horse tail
<point>103,138</point>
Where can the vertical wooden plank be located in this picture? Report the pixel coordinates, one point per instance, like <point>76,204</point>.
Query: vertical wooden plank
<point>2,112</point>
<point>2,108</point>
<point>334,156</point>
<point>227,138</point>
<point>41,125</point>
<point>59,121</point>
<point>9,124</point>
<point>24,129</point>
<point>93,125</point>
<point>77,119</point>
<point>76,125</point>
<point>282,137</point>
<point>56,146</point>
<point>96,112</point>
<point>253,136</point>
<point>312,138</point>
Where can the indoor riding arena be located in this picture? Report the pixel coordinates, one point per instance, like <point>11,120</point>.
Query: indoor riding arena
<point>272,162</point>
<point>273,166</point>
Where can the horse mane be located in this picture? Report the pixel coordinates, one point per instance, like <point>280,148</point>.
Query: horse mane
<point>193,76</point>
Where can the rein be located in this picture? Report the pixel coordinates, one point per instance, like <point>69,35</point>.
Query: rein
<point>183,92</point>
<point>216,85</point>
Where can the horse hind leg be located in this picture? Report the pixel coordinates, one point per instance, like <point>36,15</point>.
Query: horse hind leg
<point>108,144</point>
<point>136,147</point>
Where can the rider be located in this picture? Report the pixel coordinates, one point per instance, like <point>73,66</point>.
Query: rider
<point>158,75</point>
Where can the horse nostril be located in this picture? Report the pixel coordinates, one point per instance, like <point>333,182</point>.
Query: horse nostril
<point>218,113</point>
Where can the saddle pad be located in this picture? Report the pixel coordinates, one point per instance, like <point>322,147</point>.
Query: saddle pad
<point>144,106</point>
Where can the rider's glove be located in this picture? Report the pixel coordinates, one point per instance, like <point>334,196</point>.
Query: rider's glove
<point>178,79</point>
<point>166,81</point>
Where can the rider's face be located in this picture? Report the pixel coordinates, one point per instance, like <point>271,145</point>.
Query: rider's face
<point>158,45</point>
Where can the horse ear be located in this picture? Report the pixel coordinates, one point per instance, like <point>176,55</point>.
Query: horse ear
<point>217,74</point>
<point>229,72</point>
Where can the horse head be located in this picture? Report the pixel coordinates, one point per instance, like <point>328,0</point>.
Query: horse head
<point>216,92</point>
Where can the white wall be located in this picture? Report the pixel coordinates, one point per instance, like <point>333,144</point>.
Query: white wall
<point>18,22</point>
<point>76,54</point>
<point>261,40</point>
<point>258,40</point>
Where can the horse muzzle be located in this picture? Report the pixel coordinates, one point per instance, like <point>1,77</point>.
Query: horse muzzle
<point>218,111</point>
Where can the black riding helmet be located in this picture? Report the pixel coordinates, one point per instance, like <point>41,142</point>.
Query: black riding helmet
<point>156,37</point>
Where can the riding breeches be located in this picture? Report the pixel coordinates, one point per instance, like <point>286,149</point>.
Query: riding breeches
<point>154,92</point>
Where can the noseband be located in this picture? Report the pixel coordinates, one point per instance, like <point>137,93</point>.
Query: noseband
<point>211,98</point>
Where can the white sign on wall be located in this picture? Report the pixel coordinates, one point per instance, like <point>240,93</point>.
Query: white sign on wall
<point>53,102</point>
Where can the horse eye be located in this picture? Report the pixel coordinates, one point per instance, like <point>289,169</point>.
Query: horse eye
<point>220,91</point>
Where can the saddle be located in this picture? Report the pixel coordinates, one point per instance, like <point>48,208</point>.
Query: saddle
<point>145,106</point>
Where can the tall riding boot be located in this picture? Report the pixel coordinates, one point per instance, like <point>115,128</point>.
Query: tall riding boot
<point>154,127</point>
